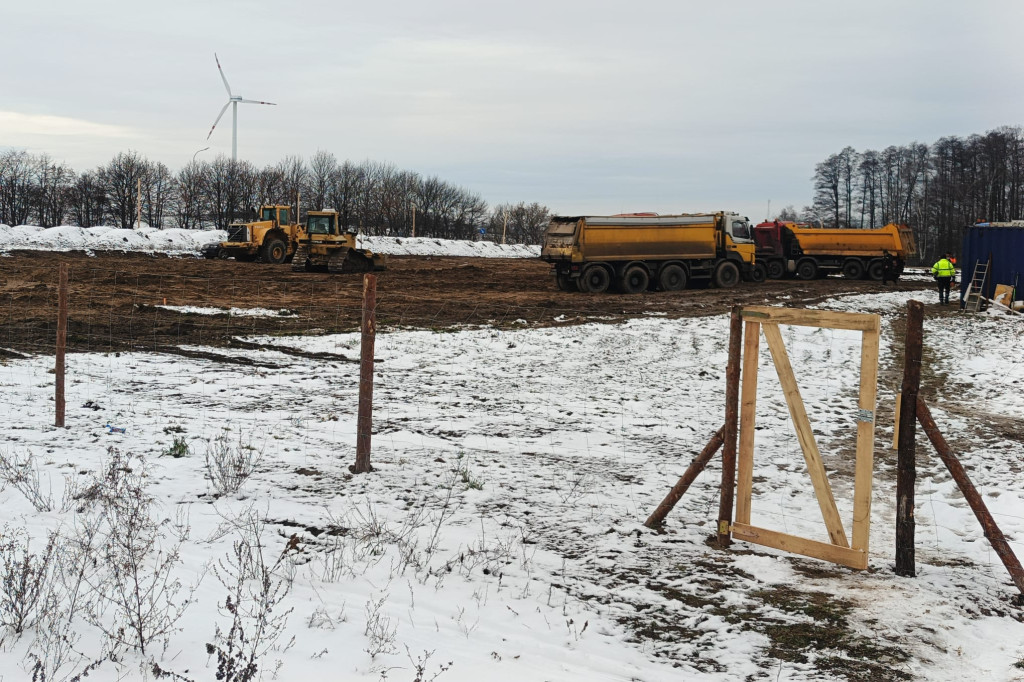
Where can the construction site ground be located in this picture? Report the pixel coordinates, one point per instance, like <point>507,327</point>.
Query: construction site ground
<point>131,301</point>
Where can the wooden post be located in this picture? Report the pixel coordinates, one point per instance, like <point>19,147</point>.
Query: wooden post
<point>62,338</point>
<point>364,423</point>
<point>138,208</point>
<point>906,467</point>
<point>412,205</point>
<point>896,422</point>
<point>748,406</point>
<point>988,524</point>
<point>679,489</point>
<point>732,404</point>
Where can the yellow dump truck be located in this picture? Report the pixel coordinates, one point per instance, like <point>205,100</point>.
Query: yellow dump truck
<point>809,252</point>
<point>271,238</point>
<point>633,253</point>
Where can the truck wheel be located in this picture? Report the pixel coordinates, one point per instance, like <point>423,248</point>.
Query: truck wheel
<point>807,269</point>
<point>672,278</point>
<point>274,251</point>
<point>595,279</point>
<point>222,254</point>
<point>776,269</point>
<point>758,273</point>
<point>853,269</point>
<point>726,275</point>
<point>565,282</point>
<point>634,280</point>
<point>876,270</point>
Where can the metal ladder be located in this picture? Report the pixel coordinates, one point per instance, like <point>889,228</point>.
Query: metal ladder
<point>973,299</point>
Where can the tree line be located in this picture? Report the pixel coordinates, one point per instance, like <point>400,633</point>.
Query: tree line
<point>377,198</point>
<point>937,189</point>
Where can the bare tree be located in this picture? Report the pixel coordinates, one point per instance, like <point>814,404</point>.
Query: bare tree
<point>15,187</point>
<point>525,222</point>
<point>321,179</point>
<point>88,200</point>
<point>191,201</point>
<point>52,196</point>
<point>158,191</point>
<point>119,179</point>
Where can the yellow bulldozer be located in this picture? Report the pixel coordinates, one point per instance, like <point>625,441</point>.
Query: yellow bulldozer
<point>271,238</point>
<point>324,245</point>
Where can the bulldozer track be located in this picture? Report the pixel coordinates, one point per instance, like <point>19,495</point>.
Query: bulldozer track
<point>300,257</point>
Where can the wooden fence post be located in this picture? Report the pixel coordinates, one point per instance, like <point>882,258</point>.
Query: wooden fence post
<point>364,423</point>
<point>732,405</point>
<point>981,512</point>
<point>657,517</point>
<point>906,466</point>
<point>62,339</point>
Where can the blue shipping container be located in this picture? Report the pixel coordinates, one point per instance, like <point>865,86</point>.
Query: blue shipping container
<point>1006,247</point>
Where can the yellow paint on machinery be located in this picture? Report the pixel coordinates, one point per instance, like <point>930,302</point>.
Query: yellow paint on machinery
<point>326,246</point>
<point>271,238</point>
<point>896,239</point>
<point>639,251</point>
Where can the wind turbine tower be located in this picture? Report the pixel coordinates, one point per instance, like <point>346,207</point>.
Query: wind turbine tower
<point>233,100</point>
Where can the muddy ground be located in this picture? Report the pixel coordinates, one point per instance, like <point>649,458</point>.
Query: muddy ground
<point>114,298</point>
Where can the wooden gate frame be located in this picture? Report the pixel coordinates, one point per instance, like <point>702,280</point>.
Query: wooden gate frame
<point>839,550</point>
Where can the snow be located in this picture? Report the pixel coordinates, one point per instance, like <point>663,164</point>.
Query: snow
<point>231,312</point>
<point>190,242</point>
<point>502,529</point>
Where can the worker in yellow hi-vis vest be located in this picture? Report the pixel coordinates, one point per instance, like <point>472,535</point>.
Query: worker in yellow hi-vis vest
<point>944,270</point>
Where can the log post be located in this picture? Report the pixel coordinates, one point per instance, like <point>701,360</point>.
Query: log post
<point>906,466</point>
<point>62,339</point>
<point>956,470</point>
<point>732,409</point>
<point>364,423</point>
<point>679,489</point>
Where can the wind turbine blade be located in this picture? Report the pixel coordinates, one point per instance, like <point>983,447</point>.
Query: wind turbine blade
<point>256,101</point>
<point>218,119</point>
<point>222,77</point>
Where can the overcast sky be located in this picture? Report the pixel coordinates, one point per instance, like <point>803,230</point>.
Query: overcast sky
<point>587,107</point>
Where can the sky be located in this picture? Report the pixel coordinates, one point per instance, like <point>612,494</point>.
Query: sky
<point>586,107</point>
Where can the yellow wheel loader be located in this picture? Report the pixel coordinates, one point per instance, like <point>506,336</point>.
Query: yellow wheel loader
<point>271,238</point>
<point>324,245</point>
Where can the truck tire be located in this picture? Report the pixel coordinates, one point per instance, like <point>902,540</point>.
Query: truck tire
<point>807,269</point>
<point>876,270</point>
<point>274,251</point>
<point>595,279</point>
<point>776,269</point>
<point>758,273</point>
<point>672,278</point>
<point>565,282</point>
<point>726,275</point>
<point>634,280</point>
<point>853,268</point>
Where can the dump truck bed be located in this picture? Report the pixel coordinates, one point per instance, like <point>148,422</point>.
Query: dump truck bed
<point>896,239</point>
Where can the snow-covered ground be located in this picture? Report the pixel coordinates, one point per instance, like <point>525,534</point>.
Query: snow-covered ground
<point>190,242</point>
<point>500,536</point>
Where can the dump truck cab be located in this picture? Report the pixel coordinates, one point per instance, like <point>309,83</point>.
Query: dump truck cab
<point>326,245</point>
<point>271,237</point>
<point>738,237</point>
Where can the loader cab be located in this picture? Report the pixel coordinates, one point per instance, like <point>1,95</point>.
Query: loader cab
<point>280,214</point>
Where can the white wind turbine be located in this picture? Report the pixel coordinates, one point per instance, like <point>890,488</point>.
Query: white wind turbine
<point>233,100</point>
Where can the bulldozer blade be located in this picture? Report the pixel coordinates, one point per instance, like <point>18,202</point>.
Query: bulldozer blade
<point>352,260</point>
